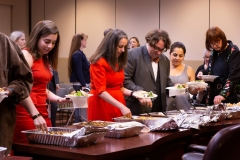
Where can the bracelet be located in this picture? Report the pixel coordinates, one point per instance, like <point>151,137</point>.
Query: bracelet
<point>36,116</point>
<point>131,94</point>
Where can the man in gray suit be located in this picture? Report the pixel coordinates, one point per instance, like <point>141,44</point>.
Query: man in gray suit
<point>148,69</point>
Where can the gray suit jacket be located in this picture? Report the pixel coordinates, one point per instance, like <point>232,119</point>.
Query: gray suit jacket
<point>139,76</point>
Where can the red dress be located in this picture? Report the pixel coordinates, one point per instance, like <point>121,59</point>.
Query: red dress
<point>103,78</point>
<point>24,121</point>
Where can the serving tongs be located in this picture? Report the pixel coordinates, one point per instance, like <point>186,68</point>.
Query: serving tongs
<point>148,113</point>
<point>177,109</point>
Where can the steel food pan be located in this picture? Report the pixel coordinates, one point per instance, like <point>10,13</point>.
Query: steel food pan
<point>124,129</point>
<point>70,137</point>
<point>154,123</point>
<point>2,151</point>
<point>93,126</point>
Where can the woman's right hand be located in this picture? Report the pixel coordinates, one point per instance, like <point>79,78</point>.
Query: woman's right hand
<point>126,111</point>
<point>145,101</point>
<point>40,124</point>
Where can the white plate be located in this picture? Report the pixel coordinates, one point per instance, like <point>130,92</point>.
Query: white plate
<point>208,78</point>
<point>174,88</point>
<point>3,93</point>
<point>144,95</point>
<point>197,84</point>
<point>173,91</point>
<point>73,96</point>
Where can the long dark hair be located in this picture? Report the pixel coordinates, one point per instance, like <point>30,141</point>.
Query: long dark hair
<point>108,47</point>
<point>178,45</point>
<point>43,29</point>
<point>75,46</point>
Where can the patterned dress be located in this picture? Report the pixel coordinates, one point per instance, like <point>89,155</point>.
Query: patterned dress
<point>103,78</point>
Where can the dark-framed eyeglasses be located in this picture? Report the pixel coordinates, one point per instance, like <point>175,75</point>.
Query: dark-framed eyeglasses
<point>215,43</point>
<point>157,49</point>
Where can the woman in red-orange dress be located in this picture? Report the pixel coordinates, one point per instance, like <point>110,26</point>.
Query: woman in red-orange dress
<point>41,54</point>
<point>107,75</point>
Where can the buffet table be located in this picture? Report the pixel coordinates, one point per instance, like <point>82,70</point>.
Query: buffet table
<point>151,146</point>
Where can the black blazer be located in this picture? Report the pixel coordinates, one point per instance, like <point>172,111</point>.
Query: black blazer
<point>53,82</point>
<point>139,76</point>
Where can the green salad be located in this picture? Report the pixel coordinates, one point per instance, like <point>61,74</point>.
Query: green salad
<point>150,94</point>
<point>80,93</point>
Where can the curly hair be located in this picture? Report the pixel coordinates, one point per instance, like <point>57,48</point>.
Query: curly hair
<point>154,36</point>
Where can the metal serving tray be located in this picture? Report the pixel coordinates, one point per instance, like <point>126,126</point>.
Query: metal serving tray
<point>123,130</point>
<point>97,126</point>
<point>69,139</point>
<point>93,126</point>
<point>233,112</point>
<point>2,151</point>
<point>153,123</point>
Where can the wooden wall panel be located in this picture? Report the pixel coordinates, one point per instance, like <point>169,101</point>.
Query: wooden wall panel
<point>226,15</point>
<point>92,18</point>
<point>63,14</point>
<point>37,11</point>
<point>186,21</point>
<point>137,17</point>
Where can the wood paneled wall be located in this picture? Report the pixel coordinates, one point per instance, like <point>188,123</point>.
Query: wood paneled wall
<point>184,20</point>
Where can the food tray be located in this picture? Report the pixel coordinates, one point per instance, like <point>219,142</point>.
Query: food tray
<point>233,115</point>
<point>109,128</point>
<point>233,112</point>
<point>93,126</point>
<point>154,114</point>
<point>73,137</point>
<point>2,151</point>
<point>153,123</point>
<point>123,130</point>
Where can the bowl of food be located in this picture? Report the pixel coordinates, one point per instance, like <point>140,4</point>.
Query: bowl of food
<point>177,89</point>
<point>145,94</point>
<point>79,98</point>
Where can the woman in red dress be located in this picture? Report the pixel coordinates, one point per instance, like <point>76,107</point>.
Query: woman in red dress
<point>107,76</point>
<point>41,54</point>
